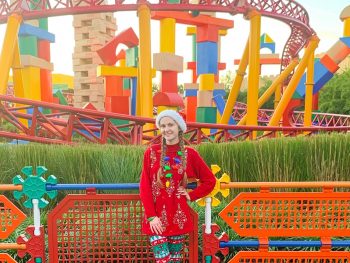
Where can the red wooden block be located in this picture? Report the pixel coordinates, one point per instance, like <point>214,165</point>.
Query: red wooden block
<point>207,33</point>
<point>120,104</point>
<point>127,92</point>
<point>44,50</point>
<point>167,99</point>
<point>46,85</point>
<point>169,82</point>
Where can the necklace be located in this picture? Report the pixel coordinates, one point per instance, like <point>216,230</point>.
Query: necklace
<point>167,167</point>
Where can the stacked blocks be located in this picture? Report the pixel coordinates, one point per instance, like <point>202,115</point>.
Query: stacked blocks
<point>91,32</point>
<point>191,91</point>
<point>34,44</point>
<point>169,65</point>
<point>326,67</point>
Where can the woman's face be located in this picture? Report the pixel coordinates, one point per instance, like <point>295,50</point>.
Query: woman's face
<point>169,130</point>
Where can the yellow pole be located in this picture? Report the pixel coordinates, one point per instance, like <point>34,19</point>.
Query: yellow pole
<point>167,35</point>
<point>274,86</point>
<point>8,49</point>
<point>145,61</point>
<point>232,97</point>
<point>288,93</point>
<point>278,95</point>
<point>309,86</point>
<point>254,69</point>
<point>347,27</point>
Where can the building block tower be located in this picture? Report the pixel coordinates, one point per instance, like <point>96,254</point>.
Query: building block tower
<point>91,32</point>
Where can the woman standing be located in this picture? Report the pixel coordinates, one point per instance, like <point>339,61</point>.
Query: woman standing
<point>166,168</point>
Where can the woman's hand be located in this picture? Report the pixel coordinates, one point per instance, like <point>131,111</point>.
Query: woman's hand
<point>156,226</point>
<point>182,191</point>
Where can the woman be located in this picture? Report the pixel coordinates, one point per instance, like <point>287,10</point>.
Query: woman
<point>166,168</point>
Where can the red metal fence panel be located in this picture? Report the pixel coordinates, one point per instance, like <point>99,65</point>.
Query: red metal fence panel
<point>104,228</point>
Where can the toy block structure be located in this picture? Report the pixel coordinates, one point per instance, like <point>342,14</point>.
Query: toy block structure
<point>36,68</point>
<point>91,32</point>
<point>205,34</point>
<point>120,81</point>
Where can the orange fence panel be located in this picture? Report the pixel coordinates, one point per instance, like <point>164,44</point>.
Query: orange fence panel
<point>289,214</point>
<point>104,228</point>
<point>6,258</point>
<point>11,217</point>
<point>291,257</point>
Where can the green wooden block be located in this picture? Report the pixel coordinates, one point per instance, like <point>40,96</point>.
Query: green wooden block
<point>43,23</point>
<point>61,97</point>
<point>28,45</point>
<point>296,96</point>
<point>206,114</point>
<point>46,111</point>
<point>126,83</point>
<point>118,122</point>
<point>174,1</point>
<point>132,57</point>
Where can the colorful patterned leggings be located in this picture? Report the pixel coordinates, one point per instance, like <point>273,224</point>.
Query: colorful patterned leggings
<point>167,249</point>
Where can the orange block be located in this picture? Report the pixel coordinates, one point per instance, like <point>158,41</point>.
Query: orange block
<point>113,86</point>
<point>191,106</point>
<point>120,104</point>
<point>329,63</point>
<point>188,19</point>
<point>46,85</point>
<point>107,103</point>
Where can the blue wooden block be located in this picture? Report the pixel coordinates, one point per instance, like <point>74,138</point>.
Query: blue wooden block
<point>207,58</point>
<point>191,92</point>
<point>29,30</point>
<point>345,40</point>
<point>220,105</point>
<point>219,92</point>
<point>321,76</point>
<point>270,46</point>
<point>133,95</point>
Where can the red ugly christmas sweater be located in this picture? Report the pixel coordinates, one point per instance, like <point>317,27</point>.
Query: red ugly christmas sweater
<point>164,202</point>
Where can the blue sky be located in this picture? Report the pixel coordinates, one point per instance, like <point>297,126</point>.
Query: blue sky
<point>324,19</point>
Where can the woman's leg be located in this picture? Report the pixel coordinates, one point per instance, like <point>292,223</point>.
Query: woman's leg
<point>176,244</point>
<point>160,248</point>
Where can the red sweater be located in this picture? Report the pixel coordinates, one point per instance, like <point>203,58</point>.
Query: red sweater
<point>172,210</point>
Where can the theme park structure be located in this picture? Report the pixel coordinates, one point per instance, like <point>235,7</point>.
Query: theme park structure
<point>128,89</point>
<point>95,227</point>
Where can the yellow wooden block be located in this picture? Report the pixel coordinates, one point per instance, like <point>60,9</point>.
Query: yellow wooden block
<point>163,108</point>
<point>167,35</point>
<point>206,81</point>
<point>31,83</point>
<point>103,70</point>
<point>191,30</point>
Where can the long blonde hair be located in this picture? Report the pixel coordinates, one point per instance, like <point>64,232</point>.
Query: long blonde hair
<point>183,161</point>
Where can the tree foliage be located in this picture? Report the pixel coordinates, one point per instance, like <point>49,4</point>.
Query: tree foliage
<point>228,79</point>
<point>335,95</point>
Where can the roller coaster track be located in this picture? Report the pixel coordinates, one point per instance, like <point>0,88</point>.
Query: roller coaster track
<point>69,125</point>
<point>287,11</point>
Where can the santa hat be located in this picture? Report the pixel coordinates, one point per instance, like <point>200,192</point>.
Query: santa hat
<point>175,116</point>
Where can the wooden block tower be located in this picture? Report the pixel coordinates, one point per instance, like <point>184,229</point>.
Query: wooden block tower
<point>91,32</point>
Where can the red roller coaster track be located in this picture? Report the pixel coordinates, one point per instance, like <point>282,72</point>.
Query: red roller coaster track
<point>69,125</point>
<point>290,12</point>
